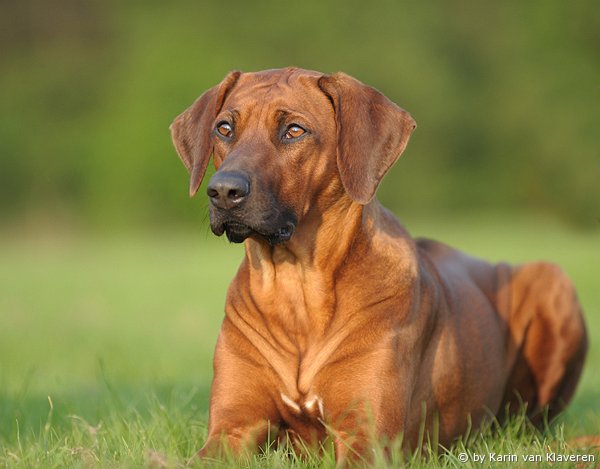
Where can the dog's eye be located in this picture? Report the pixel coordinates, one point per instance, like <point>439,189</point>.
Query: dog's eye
<point>225,129</point>
<point>293,131</point>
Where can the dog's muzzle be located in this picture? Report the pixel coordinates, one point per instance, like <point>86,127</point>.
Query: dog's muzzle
<point>238,213</point>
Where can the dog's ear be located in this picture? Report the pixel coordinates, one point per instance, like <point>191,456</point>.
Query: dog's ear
<point>372,132</point>
<point>191,130</point>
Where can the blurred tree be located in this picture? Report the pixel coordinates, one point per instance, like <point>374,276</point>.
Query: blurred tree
<point>506,97</point>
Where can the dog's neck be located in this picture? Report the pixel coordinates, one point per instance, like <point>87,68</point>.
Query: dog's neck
<point>321,242</point>
<point>303,275</point>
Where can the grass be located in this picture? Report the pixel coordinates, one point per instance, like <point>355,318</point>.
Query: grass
<point>106,344</point>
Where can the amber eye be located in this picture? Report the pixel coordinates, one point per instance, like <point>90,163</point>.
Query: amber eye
<point>225,129</point>
<point>293,131</point>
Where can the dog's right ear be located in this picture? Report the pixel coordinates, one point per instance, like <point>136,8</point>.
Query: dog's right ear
<point>191,130</point>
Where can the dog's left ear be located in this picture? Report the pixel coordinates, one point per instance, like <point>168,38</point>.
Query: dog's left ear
<point>372,132</point>
<point>191,130</point>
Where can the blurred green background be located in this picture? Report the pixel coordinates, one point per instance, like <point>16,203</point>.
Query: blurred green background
<point>506,96</point>
<point>111,285</point>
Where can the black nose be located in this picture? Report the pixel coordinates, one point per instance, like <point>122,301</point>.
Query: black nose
<point>228,189</point>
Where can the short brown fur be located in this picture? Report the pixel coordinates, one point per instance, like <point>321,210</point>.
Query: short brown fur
<point>350,326</point>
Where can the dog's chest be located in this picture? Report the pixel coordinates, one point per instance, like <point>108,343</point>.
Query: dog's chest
<point>301,386</point>
<point>287,312</point>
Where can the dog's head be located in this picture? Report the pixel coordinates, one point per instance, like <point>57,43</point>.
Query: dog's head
<point>285,141</point>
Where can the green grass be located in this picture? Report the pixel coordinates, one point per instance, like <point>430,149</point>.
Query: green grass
<point>106,343</point>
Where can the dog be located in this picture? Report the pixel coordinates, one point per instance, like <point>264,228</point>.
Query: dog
<point>339,324</point>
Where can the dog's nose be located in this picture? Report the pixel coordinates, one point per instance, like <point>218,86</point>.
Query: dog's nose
<point>228,189</point>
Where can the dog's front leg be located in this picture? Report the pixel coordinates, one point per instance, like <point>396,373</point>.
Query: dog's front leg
<point>352,440</point>
<point>367,411</point>
<point>354,426</point>
<point>241,418</point>
<point>243,440</point>
<point>242,411</point>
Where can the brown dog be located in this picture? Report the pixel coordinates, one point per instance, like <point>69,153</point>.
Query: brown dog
<point>338,322</point>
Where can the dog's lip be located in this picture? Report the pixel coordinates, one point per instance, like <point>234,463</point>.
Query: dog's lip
<point>229,224</point>
<point>236,227</point>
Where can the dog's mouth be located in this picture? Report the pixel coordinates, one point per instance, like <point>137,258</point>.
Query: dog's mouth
<point>237,232</point>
